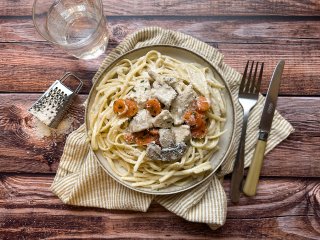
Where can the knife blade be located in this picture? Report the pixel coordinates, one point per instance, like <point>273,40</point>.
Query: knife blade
<point>271,101</point>
<point>251,183</point>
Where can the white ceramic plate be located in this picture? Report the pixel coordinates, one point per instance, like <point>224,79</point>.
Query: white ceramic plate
<point>225,140</point>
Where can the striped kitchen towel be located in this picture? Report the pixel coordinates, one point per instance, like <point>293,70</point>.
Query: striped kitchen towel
<point>81,181</point>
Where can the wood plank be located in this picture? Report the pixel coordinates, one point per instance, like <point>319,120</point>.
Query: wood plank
<point>33,67</point>
<point>22,150</point>
<point>187,8</point>
<point>35,146</point>
<point>283,209</point>
<point>301,64</point>
<point>220,30</point>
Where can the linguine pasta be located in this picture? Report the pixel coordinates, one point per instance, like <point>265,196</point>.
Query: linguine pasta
<point>129,161</point>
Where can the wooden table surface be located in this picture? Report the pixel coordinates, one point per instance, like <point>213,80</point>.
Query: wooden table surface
<point>287,205</point>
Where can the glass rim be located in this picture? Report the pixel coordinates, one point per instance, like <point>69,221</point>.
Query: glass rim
<point>68,44</point>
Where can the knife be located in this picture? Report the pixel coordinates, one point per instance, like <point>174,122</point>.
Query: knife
<point>250,186</point>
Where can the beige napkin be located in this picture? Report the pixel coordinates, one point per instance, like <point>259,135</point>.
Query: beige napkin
<point>81,181</point>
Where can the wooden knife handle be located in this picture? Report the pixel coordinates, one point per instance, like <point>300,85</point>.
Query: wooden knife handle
<point>251,183</point>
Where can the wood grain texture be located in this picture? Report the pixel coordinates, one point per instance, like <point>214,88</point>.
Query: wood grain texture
<point>33,67</point>
<point>283,209</point>
<point>236,55</point>
<point>286,207</point>
<point>216,30</point>
<point>23,56</point>
<point>22,150</point>
<point>186,8</point>
<point>25,143</point>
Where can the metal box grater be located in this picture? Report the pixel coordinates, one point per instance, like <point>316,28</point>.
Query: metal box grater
<point>52,105</point>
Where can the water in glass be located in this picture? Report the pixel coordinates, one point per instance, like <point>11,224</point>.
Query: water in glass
<point>78,26</point>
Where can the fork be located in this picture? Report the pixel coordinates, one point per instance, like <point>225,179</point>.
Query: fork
<point>248,97</point>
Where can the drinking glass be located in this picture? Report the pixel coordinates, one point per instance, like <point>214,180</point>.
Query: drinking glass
<point>77,26</point>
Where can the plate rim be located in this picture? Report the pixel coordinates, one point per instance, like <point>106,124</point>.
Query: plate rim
<point>111,65</point>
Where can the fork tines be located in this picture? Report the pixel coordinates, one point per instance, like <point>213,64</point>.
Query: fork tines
<point>248,83</point>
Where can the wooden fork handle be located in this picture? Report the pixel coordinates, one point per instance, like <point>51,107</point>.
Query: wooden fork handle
<point>251,183</point>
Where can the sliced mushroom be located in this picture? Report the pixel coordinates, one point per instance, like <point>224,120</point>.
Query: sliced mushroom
<point>153,151</point>
<point>173,153</point>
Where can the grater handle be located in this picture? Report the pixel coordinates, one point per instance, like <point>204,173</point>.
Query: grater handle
<point>68,74</point>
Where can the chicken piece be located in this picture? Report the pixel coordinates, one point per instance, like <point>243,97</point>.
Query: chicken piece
<point>182,133</point>
<point>182,103</point>
<point>153,151</point>
<point>164,93</point>
<point>142,121</point>
<point>169,80</point>
<point>163,120</point>
<point>141,92</point>
<point>155,76</point>
<point>166,138</point>
<point>162,79</point>
<point>198,80</point>
<point>173,153</point>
